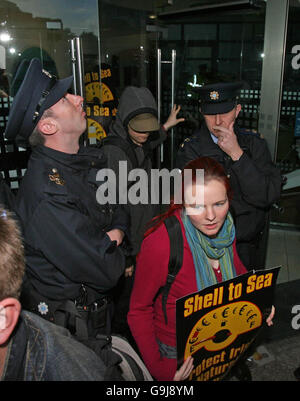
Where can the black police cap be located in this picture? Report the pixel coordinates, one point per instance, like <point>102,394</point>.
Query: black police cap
<point>219,98</point>
<point>38,91</point>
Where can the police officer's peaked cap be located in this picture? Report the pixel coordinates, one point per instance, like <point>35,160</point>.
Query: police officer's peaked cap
<point>38,91</point>
<point>219,98</point>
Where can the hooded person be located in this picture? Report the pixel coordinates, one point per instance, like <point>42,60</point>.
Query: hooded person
<point>132,137</point>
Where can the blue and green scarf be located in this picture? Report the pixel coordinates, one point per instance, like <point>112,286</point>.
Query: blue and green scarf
<point>204,247</point>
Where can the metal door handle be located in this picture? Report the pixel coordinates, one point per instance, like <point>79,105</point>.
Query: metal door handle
<point>77,66</point>
<point>78,74</point>
<point>159,63</point>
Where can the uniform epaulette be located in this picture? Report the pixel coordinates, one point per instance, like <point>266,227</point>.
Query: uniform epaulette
<point>55,177</point>
<point>186,140</point>
<point>54,182</point>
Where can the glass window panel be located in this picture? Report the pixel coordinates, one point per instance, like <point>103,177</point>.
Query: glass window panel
<point>228,68</point>
<point>128,42</point>
<point>216,46</point>
<point>174,32</point>
<point>199,52</point>
<point>200,32</point>
<point>230,50</point>
<point>288,147</point>
<point>196,66</point>
<point>231,31</point>
<point>42,29</point>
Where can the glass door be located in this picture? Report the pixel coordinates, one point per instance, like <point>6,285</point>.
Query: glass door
<point>213,42</point>
<point>42,29</point>
<point>127,52</point>
<point>119,41</point>
<point>288,146</point>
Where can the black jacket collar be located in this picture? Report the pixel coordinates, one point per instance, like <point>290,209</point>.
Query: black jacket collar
<point>85,158</point>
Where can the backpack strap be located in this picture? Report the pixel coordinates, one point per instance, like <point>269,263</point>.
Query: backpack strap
<point>132,367</point>
<point>176,257</point>
<point>125,146</point>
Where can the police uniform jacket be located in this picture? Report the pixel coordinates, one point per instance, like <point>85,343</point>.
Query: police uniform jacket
<point>7,197</point>
<point>255,181</point>
<point>65,227</point>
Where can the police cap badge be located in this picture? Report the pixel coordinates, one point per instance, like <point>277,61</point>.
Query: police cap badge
<point>219,98</point>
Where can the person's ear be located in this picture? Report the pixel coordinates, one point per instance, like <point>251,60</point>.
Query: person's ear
<point>10,309</point>
<point>238,108</point>
<point>48,126</point>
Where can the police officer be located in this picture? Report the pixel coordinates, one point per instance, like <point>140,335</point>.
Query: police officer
<point>73,244</point>
<point>7,197</point>
<point>255,181</point>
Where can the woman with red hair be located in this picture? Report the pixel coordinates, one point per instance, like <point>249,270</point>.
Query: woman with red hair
<point>209,257</point>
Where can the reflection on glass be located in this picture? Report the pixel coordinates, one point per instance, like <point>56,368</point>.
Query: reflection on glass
<point>39,28</point>
<point>288,150</point>
<point>213,46</point>
<point>127,43</point>
<point>42,29</point>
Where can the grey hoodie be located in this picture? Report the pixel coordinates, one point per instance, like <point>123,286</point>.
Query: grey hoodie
<point>134,101</point>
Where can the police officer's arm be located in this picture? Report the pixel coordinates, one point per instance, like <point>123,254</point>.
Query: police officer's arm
<point>7,198</point>
<point>120,220</point>
<point>259,179</point>
<point>75,244</point>
<point>116,235</point>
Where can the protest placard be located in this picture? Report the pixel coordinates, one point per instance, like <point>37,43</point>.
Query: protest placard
<point>217,324</point>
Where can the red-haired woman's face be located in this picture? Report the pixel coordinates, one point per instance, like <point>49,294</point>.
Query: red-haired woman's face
<point>209,210</point>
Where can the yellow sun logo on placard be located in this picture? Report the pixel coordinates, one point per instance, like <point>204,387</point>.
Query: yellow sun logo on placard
<point>221,326</point>
<point>95,129</point>
<point>96,92</point>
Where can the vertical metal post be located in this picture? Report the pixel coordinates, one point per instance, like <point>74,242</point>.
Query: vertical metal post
<point>272,72</point>
<point>159,63</point>
<point>77,65</point>
<point>78,73</point>
<point>160,148</point>
<point>158,82</point>
<point>73,61</point>
<point>172,103</point>
<point>80,65</point>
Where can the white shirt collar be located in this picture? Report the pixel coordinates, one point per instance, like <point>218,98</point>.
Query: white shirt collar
<point>214,138</point>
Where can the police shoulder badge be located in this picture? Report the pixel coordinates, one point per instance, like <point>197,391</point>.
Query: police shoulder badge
<point>43,308</point>
<point>47,73</point>
<point>214,95</point>
<point>55,177</point>
<point>186,140</point>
